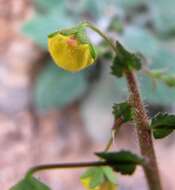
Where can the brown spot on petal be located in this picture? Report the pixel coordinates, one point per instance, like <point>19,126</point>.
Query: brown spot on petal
<point>72,41</point>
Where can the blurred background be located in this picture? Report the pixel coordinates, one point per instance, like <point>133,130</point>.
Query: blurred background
<point>49,115</point>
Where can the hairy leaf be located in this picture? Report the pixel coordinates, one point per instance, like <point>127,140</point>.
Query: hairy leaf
<point>124,61</point>
<point>124,162</point>
<point>30,183</point>
<point>123,110</point>
<point>162,125</point>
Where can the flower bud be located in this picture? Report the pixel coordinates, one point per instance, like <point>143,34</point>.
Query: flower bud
<point>71,49</point>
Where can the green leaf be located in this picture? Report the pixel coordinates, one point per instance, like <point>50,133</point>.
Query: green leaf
<point>95,177</point>
<point>39,27</point>
<point>124,162</point>
<point>124,61</point>
<point>161,75</point>
<point>109,174</point>
<point>45,6</point>
<point>163,15</point>
<point>128,4</point>
<point>93,8</point>
<point>162,125</point>
<point>56,88</point>
<point>134,39</point>
<point>30,183</point>
<point>163,60</point>
<point>123,110</point>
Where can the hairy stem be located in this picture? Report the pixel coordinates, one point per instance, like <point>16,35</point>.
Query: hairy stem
<point>144,135</point>
<point>39,168</point>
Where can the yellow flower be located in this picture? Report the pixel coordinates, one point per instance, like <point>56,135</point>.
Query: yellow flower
<point>106,185</point>
<point>86,184</point>
<point>69,53</point>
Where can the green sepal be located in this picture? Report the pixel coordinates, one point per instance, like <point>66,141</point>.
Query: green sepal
<point>109,174</point>
<point>52,34</point>
<point>30,183</point>
<point>124,162</point>
<point>125,61</point>
<point>123,110</point>
<point>93,51</point>
<point>162,125</point>
<point>98,175</point>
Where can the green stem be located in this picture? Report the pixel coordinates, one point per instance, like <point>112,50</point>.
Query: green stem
<point>38,168</point>
<point>117,124</point>
<point>102,34</point>
<point>109,144</point>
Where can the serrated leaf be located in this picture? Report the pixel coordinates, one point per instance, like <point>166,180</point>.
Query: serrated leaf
<point>161,133</point>
<point>99,178</point>
<point>56,88</point>
<point>162,125</point>
<point>124,61</point>
<point>124,162</point>
<point>30,183</point>
<point>123,110</point>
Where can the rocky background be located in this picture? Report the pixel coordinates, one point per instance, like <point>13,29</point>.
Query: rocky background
<point>28,137</point>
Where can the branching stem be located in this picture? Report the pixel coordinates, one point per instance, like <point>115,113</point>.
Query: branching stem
<point>64,166</point>
<point>141,120</point>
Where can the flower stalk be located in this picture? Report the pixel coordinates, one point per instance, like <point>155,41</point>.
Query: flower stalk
<point>39,168</point>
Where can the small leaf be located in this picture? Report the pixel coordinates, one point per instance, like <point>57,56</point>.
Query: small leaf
<point>162,125</point>
<point>56,88</point>
<point>30,183</point>
<point>124,61</point>
<point>161,75</point>
<point>124,162</point>
<point>123,110</point>
<point>99,178</point>
<point>169,80</point>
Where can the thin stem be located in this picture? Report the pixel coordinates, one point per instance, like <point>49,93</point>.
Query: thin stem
<point>109,144</point>
<point>38,168</point>
<point>116,126</point>
<point>102,34</point>
<point>143,132</point>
